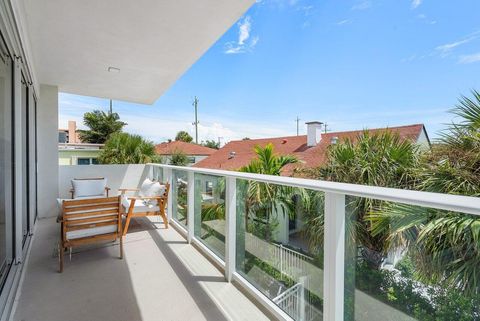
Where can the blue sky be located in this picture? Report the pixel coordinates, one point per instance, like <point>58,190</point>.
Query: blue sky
<point>353,64</point>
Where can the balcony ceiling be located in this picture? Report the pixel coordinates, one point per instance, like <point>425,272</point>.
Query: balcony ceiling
<point>152,42</point>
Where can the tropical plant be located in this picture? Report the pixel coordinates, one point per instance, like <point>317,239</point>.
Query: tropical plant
<point>183,136</point>
<point>179,158</point>
<point>211,144</point>
<point>124,148</point>
<point>264,200</point>
<point>445,246</point>
<point>378,159</point>
<point>101,125</point>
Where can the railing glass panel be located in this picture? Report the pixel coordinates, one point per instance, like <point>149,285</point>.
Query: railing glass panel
<point>179,196</point>
<point>210,212</point>
<point>408,262</point>
<point>279,245</point>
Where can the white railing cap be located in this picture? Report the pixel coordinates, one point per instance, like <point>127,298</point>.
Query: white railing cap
<point>456,203</point>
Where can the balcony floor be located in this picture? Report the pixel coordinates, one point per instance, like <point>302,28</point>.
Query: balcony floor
<point>160,278</point>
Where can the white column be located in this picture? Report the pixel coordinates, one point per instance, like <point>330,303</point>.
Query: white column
<point>47,139</point>
<point>334,259</point>
<point>191,205</point>
<point>230,222</point>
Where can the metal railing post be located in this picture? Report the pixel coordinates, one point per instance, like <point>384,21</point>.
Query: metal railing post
<point>334,259</point>
<point>230,222</point>
<point>191,206</point>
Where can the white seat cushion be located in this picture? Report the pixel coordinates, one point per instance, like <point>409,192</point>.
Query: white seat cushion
<point>89,187</point>
<point>140,206</point>
<point>91,231</point>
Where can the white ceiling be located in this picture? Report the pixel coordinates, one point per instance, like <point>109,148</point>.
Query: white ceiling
<point>152,42</point>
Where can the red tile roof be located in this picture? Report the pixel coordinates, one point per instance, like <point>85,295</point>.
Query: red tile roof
<point>187,148</point>
<point>294,145</point>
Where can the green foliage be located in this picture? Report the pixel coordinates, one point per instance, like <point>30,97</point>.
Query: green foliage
<point>380,159</point>
<point>446,245</point>
<point>124,148</point>
<point>178,158</point>
<point>101,126</point>
<point>422,302</point>
<point>211,144</point>
<point>263,199</point>
<point>183,136</point>
<point>406,267</point>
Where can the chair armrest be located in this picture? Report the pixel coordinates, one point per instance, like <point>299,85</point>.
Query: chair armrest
<point>128,189</point>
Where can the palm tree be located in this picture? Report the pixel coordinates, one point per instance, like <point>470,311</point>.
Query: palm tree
<point>380,159</point>
<point>263,200</point>
<point>101,125</point>
<point>124,148</point>
<point>444,245</point>
<point>183,136</point>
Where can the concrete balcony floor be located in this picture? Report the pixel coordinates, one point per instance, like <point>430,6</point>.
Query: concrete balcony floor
<point>161,277</point>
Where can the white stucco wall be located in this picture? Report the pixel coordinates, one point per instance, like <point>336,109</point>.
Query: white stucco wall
<point>118,176</point>
<point>47,139</point>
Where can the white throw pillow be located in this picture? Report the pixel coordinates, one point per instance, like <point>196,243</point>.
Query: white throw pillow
<point>88,187</point>
<point>150,188</point>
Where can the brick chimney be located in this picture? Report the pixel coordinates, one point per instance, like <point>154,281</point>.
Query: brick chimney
<point>314,133</point>
<point>72,131</point>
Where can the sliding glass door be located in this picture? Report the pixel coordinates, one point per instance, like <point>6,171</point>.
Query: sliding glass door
<point>6,163</point>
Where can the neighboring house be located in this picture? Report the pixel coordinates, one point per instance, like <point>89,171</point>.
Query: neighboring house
<point>71,150</point>
<point>78,154</point>
<point>194,152</point>
<point>310,149</point>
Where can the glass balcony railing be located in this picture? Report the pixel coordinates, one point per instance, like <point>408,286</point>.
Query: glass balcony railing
<point>300,248</point>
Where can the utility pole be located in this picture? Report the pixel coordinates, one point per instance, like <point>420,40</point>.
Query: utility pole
<point>298,121</point>
<point>219,141</point>
<point>326,126</point>
<point>111,107</point>
<point>195,104</point>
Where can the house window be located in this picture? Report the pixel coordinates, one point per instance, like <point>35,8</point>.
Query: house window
<point>87,161</point>
<point>191,159</point>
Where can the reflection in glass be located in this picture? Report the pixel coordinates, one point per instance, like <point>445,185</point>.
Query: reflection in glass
<point>279,245</point>
<point>179,196</point>
<point>210,212</point>
<point>406,262</point>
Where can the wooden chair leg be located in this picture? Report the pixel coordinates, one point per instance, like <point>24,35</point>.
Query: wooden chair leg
<point>60,257</point>
<point>127,223</point>
<point>164,217</point>
<point>121,246</point>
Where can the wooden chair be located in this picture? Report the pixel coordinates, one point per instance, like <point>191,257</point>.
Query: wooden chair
<point>135,205</point>
<point>94,180</point>
<point>89,221</point>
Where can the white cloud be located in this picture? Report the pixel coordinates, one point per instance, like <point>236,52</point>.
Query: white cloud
<point>468,59</point>
<point>363,5</point>
<point>446,49</point>
<point>416,3</point>
<point>343,22</point>
<point>244,30</point>
<point>245,42</point>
